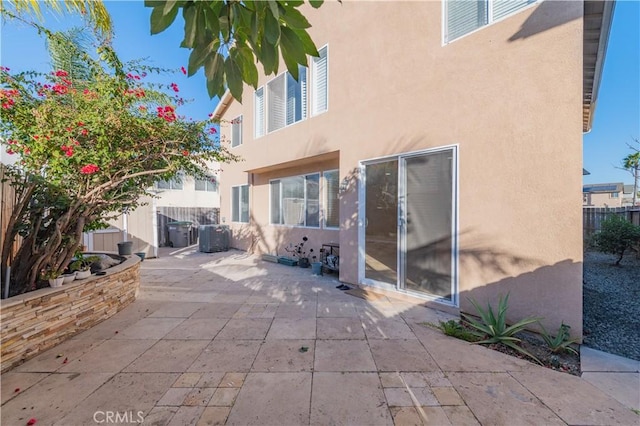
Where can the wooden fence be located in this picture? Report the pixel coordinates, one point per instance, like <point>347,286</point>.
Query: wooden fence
<point>592,217</point>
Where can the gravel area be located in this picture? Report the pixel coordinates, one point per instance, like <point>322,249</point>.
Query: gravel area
<point>612,304</point>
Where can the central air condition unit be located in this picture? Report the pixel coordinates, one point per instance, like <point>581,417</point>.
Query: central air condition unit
<point>214,238</point>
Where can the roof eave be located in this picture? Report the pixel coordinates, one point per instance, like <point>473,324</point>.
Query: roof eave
<point>222,106</point>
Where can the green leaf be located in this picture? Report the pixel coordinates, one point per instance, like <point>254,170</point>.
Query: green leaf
<point>197,57</point>
<point>294,19</point>
<point>292,51</point>
<point>191,24</point>
<point>308,44</point>
<point>168,6</point>
<point>248,66</point>
<point>316,3</point>
<point>160,21</point>
<point>234,78</point>
<point>269,58</point>
<point>214,71</point>
<point>271,28</point>
<point>273,6</point>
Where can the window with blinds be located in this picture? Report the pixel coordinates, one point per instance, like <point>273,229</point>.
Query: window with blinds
<point>465,16</point>
<point>331,203</point>
<point>236,131</point>
<point>258,113</point>
<point>295,201</point>
<point>240,203</point>
<point>320,89</point>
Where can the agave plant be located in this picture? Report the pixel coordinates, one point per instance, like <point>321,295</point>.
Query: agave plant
<point>561,341</point>
<point>492,327</point>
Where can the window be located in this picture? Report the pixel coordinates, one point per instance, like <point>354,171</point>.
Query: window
<point>331,203</point>
<point>615,195</point>
<point>465,16</point>
<point>295,201</point>
<point>319,79</point>
<point>240,203</point>
<point>175,183</point>
<point>236,131</point>
<point>286,100</point>
<point>209,185</point>
<point>259,112</point>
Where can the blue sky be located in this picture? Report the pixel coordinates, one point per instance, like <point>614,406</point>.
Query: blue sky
<point>617,116</point>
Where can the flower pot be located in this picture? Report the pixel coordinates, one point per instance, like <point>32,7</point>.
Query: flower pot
<point>316,268</point>
<point>69,277</point>
<point>303,262</point>
<point>81,275</point>
<point>141,255</point>
<point>125,248</point>
<point>56,282</point>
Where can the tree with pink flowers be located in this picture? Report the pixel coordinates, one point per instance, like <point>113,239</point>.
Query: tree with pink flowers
<point>86,149</point>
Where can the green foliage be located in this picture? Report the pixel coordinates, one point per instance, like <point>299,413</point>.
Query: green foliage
<point>82,262</point>
<point>455,329</point>
<point>616,236</point>
<point>492,327</point>
<point>561,341</point>
<point>243,32</point>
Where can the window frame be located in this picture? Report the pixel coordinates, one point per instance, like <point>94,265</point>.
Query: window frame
<point>239,204</point>
<point>325,199</point>
<point>305,201</point>
<point>207,182</point>
<point>313,80</point>
<point>234,123</point>
<point>490,19</point>
<point>263,128</point>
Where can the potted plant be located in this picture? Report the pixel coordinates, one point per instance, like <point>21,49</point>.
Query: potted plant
<point>82,265</point>
<point>55,280</point>
<point>69,277</point>
<point>300,252</point>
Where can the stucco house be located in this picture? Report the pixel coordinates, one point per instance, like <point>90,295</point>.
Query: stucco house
<point>420,142</point>
<point>603,194</point>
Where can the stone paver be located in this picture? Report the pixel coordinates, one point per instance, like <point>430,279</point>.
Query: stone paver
<point>225,338</point>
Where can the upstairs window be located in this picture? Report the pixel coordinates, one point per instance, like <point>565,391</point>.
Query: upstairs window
<point>286,100</point>
<point>319,81</point>
<point>175,183</point>
<point>236,131</point>
<point>209,185</point>
<point>259,112</point>
<point>465,16</point>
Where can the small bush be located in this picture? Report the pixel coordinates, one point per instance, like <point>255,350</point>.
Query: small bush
<point>561,342</point>
<point>616,236</point>
<point>455,329</point>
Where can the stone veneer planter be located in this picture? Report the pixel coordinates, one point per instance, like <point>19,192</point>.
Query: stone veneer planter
<point>36,321</point>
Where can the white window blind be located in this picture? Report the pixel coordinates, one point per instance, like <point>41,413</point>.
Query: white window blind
<point>319,75</point>
<point>332,205</point>
<point>295,201</point>
<point>258,124</point>
<point>502,8</point>
<point>236,131</point>
<point>276,100</point>
<point>297,96</point>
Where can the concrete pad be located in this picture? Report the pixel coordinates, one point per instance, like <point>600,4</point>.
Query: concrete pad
<point>343,355</point>
<point>199,396</point>
<point>233,380</point>
<point>224,397</point>
<point>227,355</point>
<point>263,310</point>
<point>348,398</point>
<point>125,392</point>
<point>50,360</point>
<point>209,380</point>
<point>332,309</point>
<point>177,310</point>
<point>401,355</point>
<point>52,398</point>
<point>149,328</point>
<point>292,328</point>
<point>174,397</point>
<point>110,357</point>
<point>437,379</point>
<point>186,416</point>
<point>288,406</point>
<point>468,357</point>
<point>594,360</point>
<point>404,397</point>
<point>168,356</point>
<point>387,329</point>
<point>285,355</point>
<point>160,415</point>
<point>245,329</point>
<point>575,400</point>
<point>419,416</point>
<point>497,398</point>
<point>12,381</point>
<point>197,329</point>
<point>339,328</point>
<point>623,387</point>
<point>460,416</point>
<point>305,309</point>
<point>188,380</point>
<point>447,396</point>
<point>212,416</point>
<point>401,380</point>
<point>217,310</point>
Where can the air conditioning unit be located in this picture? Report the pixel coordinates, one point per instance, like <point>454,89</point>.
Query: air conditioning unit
<point>213,238</point>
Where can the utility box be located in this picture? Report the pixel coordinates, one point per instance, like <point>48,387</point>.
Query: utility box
<point>179,234</point>
<point>214,238</point>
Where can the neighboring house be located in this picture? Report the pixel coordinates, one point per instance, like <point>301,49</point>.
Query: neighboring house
<point>181,199</point>
<point>603,195</point>
<point>421,141</point>
<point>627,195</point>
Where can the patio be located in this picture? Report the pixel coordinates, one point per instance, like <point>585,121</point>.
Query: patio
<point>227,338</point>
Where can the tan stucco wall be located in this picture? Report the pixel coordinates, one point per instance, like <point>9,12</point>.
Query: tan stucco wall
<point>605,200</point>
<point>509,95</point>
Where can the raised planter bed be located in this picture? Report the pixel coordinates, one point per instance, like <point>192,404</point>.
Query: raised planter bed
<point>36,321</point>
<point>287,261</point>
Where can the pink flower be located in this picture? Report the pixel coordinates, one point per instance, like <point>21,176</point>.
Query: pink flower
<point>61,73</point>
<point>60,89</point>
<point>174,87</point>
<point>184,71</point>
<point>4,69</point>
<point>167,113</point>
<point>185,153</point>
<point>213,131</point>
<point>89,169</point>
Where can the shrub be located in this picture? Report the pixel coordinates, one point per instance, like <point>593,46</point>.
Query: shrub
<point>616,236</point>
<point>561,342</point>
<point>455,329</point>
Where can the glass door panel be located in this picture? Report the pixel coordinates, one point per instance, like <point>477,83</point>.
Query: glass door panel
<point>381,222</point>
<point>428,216</point>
